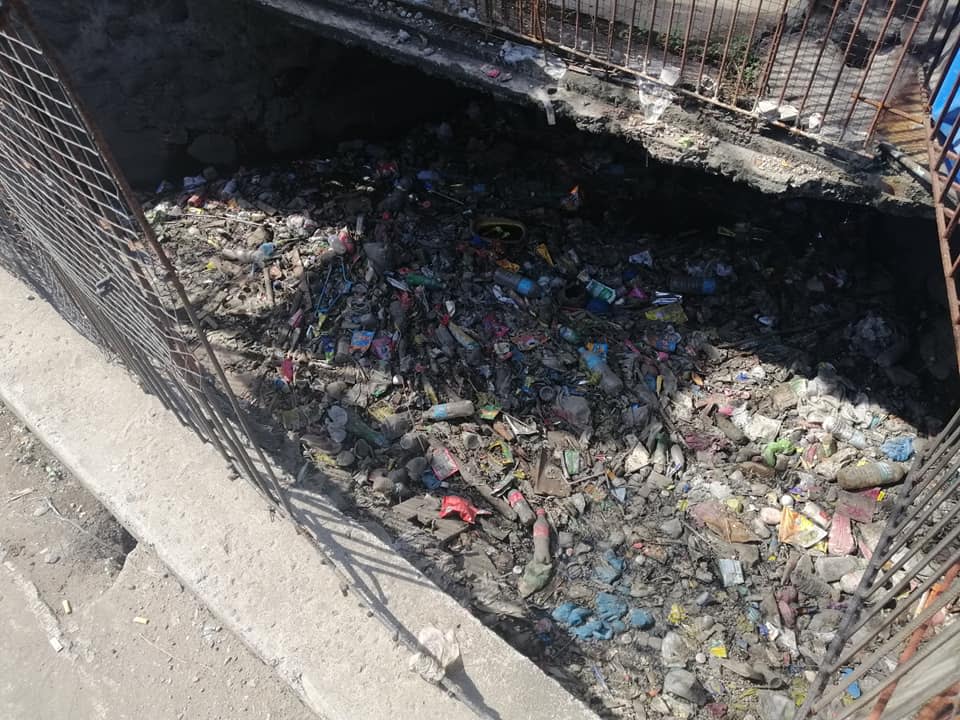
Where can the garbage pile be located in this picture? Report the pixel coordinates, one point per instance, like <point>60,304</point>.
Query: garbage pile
<point>617,446</point>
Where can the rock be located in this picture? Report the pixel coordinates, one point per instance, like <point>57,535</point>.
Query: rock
<point>471,441</point>
<point>674,650</point>
<point>774,706</point>
<point>638,458</point>
<point>672,528</point>
<point>831,569</point>
<point>213,149</point>
<point>850,581</point>
<point>381,482</point>
<point>770,515</point>
<point>51,559</point>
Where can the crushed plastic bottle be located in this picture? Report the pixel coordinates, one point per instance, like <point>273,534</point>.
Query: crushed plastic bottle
<point>846,432</point>
<point>575,410</point>
<point>600,372</point>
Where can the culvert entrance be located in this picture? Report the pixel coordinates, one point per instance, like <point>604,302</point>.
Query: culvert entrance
<point>712,394</point>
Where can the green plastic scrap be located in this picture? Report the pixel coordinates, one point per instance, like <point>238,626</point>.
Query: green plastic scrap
<point>778,447</point>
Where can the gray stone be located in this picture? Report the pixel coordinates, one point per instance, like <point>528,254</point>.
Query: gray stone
<point>672,528</point>
<point>674,650</point>
<point>774,706</point>
<point>831,569</point>
<point>213,149</point>
<point>684,684</point>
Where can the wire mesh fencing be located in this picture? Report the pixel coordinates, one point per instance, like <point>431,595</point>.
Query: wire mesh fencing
<point>71,228</point>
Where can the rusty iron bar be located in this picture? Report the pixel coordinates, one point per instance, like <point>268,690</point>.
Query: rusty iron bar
<point>611,27</point>
<point>774,49</point>
<point>726,49</point>
<point>796,54</point>
<point>650,32</point>
<point>843,60</point>
<point>633,21</point>
<point>889,647</point>
<point>706,46</point>
<point>746,52</point>
<point>902,670</point>
<point>892,110</point>
<point>896,71</point>
<point>170,272</point>
<point>939,193</point>
<point>686,36</point>
<point>100,231</point>
<point>816,64</point>
<point>938,55</point>
<point>576,28</point>
<point>930,466</point>
<point>594,23</point>
<point>563,14</point>
<point>867,68</point>
<point>948,141</point>
<point>666,39</point>
<point>917,637</point>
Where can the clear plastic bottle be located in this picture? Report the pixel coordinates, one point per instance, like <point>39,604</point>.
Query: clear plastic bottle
<point>541,538</point>
<point>692,285</point>
<point>597,367</point>
<point>846,432</point>
<point>522,286</point>
<point>450,411</point>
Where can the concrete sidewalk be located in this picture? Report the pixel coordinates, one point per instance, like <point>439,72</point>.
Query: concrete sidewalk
<point>264,581</point>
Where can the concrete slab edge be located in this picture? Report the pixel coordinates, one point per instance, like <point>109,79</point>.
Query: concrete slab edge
<point>262,579</point>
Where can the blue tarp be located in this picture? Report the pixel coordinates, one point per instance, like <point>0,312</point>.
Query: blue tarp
<point>952,117</point>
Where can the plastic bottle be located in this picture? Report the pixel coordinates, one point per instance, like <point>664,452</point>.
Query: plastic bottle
<point>575,410</point>
<point>450,411</point>
<point>659,457</point>
<point>597,366</point>
<point>522,286</point>
<point>463,337</point>
<point>541,538</point>
<point>846,432</point>
<point>341,243</point>
<point>866,474</point>
<point>446,340</point>
<point>598,290</point>
<point>692,285</point>
<point>520,505</point>
<point>418,280</point>
<point>396,425</point>
<point>257,257</point>
<point>666,341</point>
<point>568,334</point>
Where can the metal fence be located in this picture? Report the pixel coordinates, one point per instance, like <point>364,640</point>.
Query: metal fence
<point>899,638</point>
<point>943,146</point>
<point>71,228</point>
<point>835,70</point>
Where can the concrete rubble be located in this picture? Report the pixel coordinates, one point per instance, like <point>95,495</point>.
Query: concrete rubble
<point>457,337</point>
